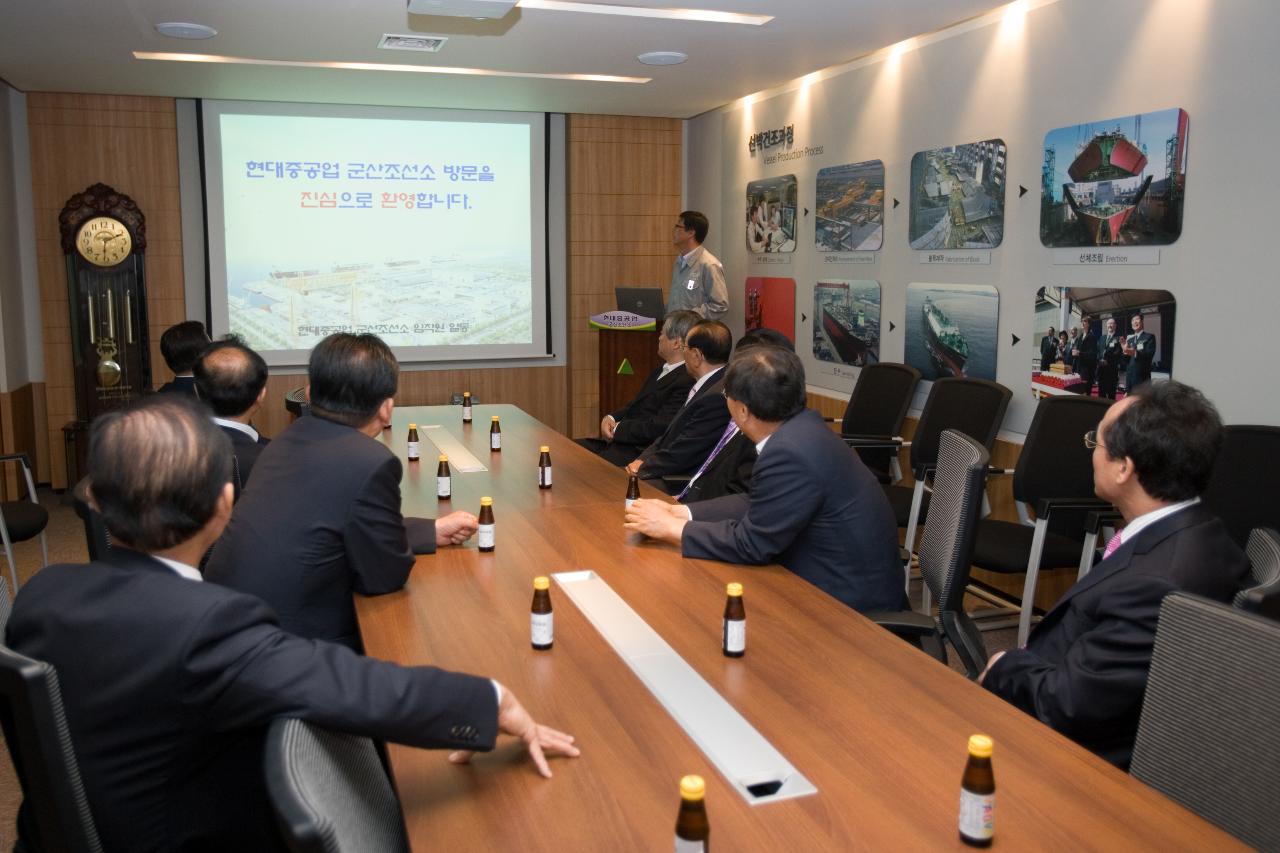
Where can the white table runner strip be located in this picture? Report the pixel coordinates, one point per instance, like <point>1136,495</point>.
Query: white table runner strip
<point>460,459</point>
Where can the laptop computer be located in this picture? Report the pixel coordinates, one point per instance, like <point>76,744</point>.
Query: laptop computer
<point>645,301</point>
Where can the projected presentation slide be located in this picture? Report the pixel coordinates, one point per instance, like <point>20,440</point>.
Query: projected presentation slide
<point>421,231</point>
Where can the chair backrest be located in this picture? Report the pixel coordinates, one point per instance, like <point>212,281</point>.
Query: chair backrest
<point>329,791</point>
<point>55,810</point>
<point>1207,736</point>
<point>1054,463</point>
<point>1244,478</point>
<point>880,399</point>
<point>1263,596</point>
<point>6,607</point>
<point>974,407</point>
<point>96,536</point>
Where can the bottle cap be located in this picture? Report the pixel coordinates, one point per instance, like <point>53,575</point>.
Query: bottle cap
<point>444,458</point>
<point>486,502</point>
<point>734,589</point>
<point>413,426</point>
<point>466,393</point>
<point>980,746</point>
<point>544,449</point>
<point>494,418</point>
<point>542,583</point>
<point>692,788</point>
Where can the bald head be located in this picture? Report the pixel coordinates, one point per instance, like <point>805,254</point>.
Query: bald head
<point>230,377</point>
<point>156,471</point>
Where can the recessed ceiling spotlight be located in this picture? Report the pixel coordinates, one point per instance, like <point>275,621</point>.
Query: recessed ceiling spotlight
<point>662,57</point>
<point>179,30</point>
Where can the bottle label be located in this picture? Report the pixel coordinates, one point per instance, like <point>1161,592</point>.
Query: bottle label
<point>544,475</point>
<point>495,441</point>
<point>444,487</point>
<point>540,626</point>
<point>977,815</point>
<point>466,413</point>
<point>684,845</point>
<point>630,501</point>
<point>485,536</point>
<point>414,449</point>
<point>735,635</point>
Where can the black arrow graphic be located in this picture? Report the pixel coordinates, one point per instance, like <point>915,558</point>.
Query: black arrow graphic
<point>806,211</point>
<point>1021,190</point>
<point>891,326</point>
<point>896,203</point>
<point>803,317</point>
<point>1015,338</point>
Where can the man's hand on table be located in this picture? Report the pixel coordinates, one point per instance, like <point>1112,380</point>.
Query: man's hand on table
<point>634,467</point>
<point>657,519</point>
<point>455,528</point>
<point>541,740</point>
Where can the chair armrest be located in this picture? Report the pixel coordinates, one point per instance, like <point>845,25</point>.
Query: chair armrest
<point>906,623</point>
<point>16,457</point>
<point>924,470</point>
<point>676,479</point>
<point>1094,521</point>
<point>888,442</point>
<point>993,471</point>
<point>1044,506</point>
<point>833,420</point>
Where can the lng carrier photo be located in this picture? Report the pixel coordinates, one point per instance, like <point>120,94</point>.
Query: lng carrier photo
<point>947,345</point>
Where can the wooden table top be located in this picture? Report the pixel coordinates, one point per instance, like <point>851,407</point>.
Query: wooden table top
<point>879,727</point>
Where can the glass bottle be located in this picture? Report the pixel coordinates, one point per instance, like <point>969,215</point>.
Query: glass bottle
<point>735,623</point>
<point>466,407</point>
<point>444,479</point>
<point>541,625</point>
<point>484,535</point>
<point>633,490</point>
<point>544,467</point>
<point>495,435</point>
<point>693,832</point>
<point>415,446</point>
<point>978,794</point>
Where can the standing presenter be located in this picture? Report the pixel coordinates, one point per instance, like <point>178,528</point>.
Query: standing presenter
<point>697,278</point>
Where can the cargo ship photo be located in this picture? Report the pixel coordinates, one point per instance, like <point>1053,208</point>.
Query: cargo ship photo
<point>842,327</point>
<point>947,345</point>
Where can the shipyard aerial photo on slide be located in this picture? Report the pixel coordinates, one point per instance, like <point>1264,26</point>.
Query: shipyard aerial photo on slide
<point>957,197</point>
<point>849,212</point>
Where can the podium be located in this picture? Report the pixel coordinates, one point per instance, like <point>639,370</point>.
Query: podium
<point>624,344</point>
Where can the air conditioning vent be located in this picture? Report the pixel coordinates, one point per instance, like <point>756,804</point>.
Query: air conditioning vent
<point>422,43</point>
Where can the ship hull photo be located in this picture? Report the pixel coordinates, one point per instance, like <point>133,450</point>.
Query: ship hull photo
<point>948,358</point>
<point>851,348</point>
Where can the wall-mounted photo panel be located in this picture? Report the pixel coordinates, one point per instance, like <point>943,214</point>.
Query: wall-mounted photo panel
<point>1102,342</point>
<point>849,211</point>
<point>846,322</point>
<point>957,196</point>
<point>771,215</point>
<point>1118,182</point>
<point>771,303</point>
<point>951,330</point>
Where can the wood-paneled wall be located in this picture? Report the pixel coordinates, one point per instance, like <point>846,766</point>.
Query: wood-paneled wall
<point>623,196</point>
<point>131,144</point>
<point>18,427</point>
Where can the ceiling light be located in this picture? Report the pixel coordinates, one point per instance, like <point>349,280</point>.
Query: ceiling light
<point>426,44</point>
<point>662,57</point>
<point>179,30</point>
<point>378,66</point>
<point>648,12</point>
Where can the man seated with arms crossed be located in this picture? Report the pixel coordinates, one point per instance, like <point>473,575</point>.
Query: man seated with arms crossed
<point>168,683</point>
<point>323,517</point>
<point>232,381</point>
<point>813,506</point>
<point>626,432</point>
<point>696,428</point>
<point>1084,669</point>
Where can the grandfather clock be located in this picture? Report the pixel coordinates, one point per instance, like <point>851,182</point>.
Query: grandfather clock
<point>104,238</point>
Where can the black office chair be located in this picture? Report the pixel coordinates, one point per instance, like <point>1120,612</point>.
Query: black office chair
<point>958,485</point>
<point>96,536</point>
<point>1263,596</point>
<point>877,407</point>
<point>1241,490</point>
<point>22,520</point>
<point>329,791</point>
<point>1054,477</point>
<point>55,814</point>
<point>976,408</point>
<point>1207,736</point>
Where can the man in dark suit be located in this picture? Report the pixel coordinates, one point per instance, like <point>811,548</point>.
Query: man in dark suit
<point>628,431</point>
<point>232,380</point>
<point>1139,352</point>
<point>1084,669</point>
<point>181,346</point>
<point>1110,355</point>
<point>322,519</point>
<point>168,683</point>
<point>1048,350</point>
<point>813,506</point>
<point>1086,356</point>
<point>701,421</point>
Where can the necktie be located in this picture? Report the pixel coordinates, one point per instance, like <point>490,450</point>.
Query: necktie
<point>729,432</point>
<point>1113,544</point>
<point>689,397</point>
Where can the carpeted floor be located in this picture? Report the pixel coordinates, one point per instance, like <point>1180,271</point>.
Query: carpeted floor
<point>67,545</point>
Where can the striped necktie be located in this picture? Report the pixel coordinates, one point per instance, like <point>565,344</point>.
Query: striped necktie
<point>729,432</point>
<point>1113,545</point>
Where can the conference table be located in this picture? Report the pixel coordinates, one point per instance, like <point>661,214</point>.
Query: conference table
<point>877,726</point>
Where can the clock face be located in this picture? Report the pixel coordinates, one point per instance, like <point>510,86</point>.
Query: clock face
<point>104,241</point>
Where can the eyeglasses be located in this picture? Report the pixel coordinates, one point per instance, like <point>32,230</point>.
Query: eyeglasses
<point>1091,440</point>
